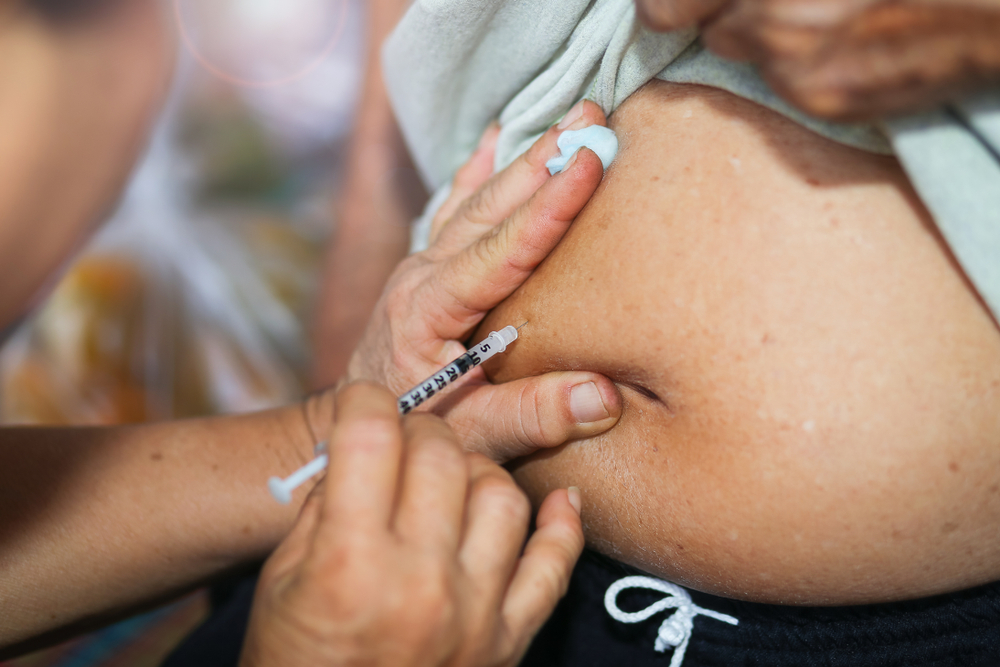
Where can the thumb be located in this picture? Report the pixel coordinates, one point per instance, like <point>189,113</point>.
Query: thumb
<point>510,420</point>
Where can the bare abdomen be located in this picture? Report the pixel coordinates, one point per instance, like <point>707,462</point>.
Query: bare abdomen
<point>812,387</point>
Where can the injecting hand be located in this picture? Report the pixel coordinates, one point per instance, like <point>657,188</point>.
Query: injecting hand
<point>409,553</point>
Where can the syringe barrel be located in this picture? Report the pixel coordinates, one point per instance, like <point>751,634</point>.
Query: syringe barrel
<point>494,344</point>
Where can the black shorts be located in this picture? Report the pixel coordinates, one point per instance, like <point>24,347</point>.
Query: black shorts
<point>956,629</point>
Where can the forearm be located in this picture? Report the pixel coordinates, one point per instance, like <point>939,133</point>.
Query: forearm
<point>100,521</point>
<point>379,198</point>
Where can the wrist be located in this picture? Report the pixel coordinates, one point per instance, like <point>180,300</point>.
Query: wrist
<point>318,415</point>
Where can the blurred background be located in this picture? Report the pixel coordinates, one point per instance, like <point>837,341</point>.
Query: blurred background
<point>194,298</point>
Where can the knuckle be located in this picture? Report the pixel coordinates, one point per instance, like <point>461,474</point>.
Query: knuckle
<point>555,589</point>
<point>527,244</point>
<point>545,429</point>
<point>487,249</point>
<point>504,497</point>
<point>425,425</point>
<point>442,294</point>
<point>347,557</point>
<point>397,300</point>
<point>559,575</point>
<point>490,440</point>
<point>536,427</point>
<point>822,102</point>
<point>478,462</point>
<point>439,608</point>
<point>567,542</point>
<point>476,437</point>
<point>440,454</point>
<point>485,204</point>
<point>344,564</point>
<point>656,14</point>
<point>402,356</point>
<point>369,432</point>
<point>411,274</point>
<point>434,597</point>
<point>438,222</point>
<point>400,359</point>
<point>554,573</point>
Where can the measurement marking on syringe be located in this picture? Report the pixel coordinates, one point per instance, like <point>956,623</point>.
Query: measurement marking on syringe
<point>495,343</point>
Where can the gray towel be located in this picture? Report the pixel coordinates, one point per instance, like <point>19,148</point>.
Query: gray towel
<point>952,157</point>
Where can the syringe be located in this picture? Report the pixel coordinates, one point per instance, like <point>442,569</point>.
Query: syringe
<point>495,343</point>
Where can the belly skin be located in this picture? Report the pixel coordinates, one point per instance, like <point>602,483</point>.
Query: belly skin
<point>812,387</point>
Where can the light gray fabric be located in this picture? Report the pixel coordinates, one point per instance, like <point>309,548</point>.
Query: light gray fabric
<point>453,66</point>
<point>952,157</point>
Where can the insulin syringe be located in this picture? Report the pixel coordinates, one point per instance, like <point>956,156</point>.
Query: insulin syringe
<point>494,344</point>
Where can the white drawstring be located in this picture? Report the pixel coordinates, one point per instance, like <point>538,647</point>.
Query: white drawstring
<point>675,632</point>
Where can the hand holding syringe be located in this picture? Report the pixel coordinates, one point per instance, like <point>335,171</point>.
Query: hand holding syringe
<point>495,343</point>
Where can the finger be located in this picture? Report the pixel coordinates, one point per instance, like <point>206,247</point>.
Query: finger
<point>498,514</point>
<point>297,543</point>
<point>478,278</point>
<point>802,89</point>
<point>510,420</point>
<point>469,178</point>
<point>365,451</point>
<point>512,187</point>
<point>744,35</point>
<point>735,40</point>
<point>854,82</point>
<point>771,33</point>
<point>435,476</point>
<point>665,15</point>
<point>543,573</point>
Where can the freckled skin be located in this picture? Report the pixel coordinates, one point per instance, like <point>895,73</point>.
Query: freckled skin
<point>812,387</point>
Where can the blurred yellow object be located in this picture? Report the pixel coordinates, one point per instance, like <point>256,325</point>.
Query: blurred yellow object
<point>120,341</point>
<point>77,362</point>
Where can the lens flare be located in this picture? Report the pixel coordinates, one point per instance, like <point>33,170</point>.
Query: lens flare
<point>260,43</point>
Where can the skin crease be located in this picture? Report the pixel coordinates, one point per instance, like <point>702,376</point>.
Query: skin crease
<point>812,388</point>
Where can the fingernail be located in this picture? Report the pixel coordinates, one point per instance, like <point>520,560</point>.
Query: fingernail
<point>559,164</point>
<point>574,499</point>
<point>572,116</point>
<point>571,161</point>
<point>586,403</point>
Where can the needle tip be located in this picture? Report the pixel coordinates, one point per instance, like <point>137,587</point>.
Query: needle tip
<point>522,326</point>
